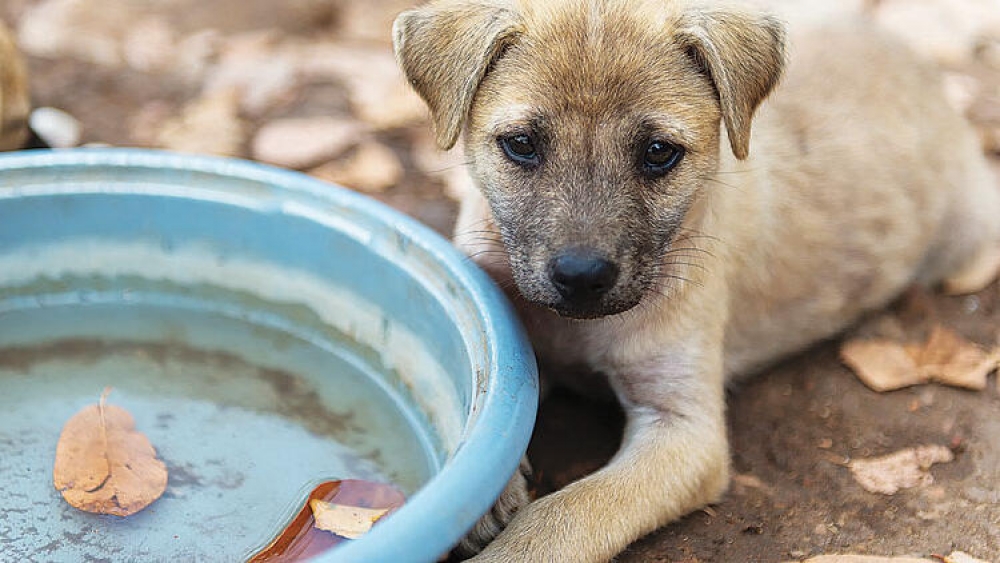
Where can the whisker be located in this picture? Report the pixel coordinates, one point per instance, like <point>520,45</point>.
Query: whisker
<point>688,264</point>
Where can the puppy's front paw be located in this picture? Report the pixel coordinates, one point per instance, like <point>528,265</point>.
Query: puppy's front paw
<point>513,497</point>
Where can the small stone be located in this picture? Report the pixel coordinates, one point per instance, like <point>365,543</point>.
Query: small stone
<point>379,93</point>
<point>146,123</point>
<point>87,30</point>
<point>302,143</point>
<point>209,125</point>
<point>357,20</point>
<point>57,128</point>
<point>149,45</point>
<point>258,68</point>
<point>372,168</point>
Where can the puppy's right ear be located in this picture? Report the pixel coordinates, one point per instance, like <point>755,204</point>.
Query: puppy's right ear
<point>445,50</point>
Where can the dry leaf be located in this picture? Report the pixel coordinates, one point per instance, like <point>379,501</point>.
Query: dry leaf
<point>349,522</point>
<point>950,359</point>
<point>372,168</point>
<point>104,465</point>
<point>901,470</point>
<point>864,559</point>
<point>302,539</point>
<point>946,358</point>
<point>881,364</point>
<point>957,557</point>
<point>962,557</point>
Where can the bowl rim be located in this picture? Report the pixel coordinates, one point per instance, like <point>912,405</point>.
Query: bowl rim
<point>470,481</point>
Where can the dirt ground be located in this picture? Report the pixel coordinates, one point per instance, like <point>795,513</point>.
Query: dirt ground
<point>213,76</point>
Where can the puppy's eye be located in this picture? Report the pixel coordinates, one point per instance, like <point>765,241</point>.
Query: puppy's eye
<point>661,157</point>
<point>520,149</point>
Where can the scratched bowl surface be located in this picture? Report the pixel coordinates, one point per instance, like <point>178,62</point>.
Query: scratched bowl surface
<point>268,332</point>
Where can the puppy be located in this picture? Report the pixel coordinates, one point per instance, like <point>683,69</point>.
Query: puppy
<point>659,243</point>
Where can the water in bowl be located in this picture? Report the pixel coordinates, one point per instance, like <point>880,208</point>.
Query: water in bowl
<point>247,417</point>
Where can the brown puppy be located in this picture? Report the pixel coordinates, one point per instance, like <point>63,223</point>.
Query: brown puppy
<point>611,144</point>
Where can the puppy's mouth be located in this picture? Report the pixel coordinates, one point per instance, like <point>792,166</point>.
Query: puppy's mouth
<point>590,312</point>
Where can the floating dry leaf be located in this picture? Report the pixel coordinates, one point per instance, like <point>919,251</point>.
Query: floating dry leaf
<point>904,469</point>
<point>302,539</point>
<point>104,465</point>
<point>946,357</point>
<point>349,522</point>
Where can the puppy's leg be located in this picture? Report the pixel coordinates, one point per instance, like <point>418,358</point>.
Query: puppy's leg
<point>674,459</point>
<point>972,233</point>
<point>513,498</point>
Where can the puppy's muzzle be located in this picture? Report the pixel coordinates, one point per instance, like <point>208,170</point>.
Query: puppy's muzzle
<point>582,277</point>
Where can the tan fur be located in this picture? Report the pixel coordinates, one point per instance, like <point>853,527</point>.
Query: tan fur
<point>14,103</point>
<point>855,181</point>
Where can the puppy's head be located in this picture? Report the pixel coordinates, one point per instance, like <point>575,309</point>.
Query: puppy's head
<point>591,126</point>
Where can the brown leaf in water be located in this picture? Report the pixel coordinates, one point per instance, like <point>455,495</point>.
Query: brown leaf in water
<point>104,465</point>
<point>349,522</point>
<point>303,538</point>
<point>946,358</point>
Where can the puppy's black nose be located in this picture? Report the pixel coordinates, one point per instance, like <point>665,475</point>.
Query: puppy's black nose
<point>582,275</point>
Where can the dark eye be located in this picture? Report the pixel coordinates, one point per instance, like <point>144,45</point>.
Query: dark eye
<point>520,149</point>
<point>661,157</point>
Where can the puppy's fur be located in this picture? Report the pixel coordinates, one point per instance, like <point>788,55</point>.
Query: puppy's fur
<point>856,180</point>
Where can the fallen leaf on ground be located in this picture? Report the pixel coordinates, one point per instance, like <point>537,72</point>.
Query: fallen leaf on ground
<point>950,359</point>
<point>104,465</point>
<point>349,522</point>
<point>209,125</point>
<point>904,469</point>
<point>957,557</point>
<point>882,365</point>
<point>946,357</point>
<point>372,168</point>
<point>962,557</point>
<point>743,482</point>
<point>864,559</point>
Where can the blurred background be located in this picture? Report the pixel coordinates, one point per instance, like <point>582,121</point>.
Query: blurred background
<point>238,78</point>
<point>312,85</point>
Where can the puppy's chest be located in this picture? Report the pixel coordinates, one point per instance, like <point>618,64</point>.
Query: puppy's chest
<point>571,353</point>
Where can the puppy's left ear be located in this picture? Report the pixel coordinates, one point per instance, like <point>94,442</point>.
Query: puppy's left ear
<point>446,48</point>
<point>744,55</point>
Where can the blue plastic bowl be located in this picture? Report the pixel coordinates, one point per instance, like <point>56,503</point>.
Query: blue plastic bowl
<point>268,331</point>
